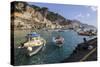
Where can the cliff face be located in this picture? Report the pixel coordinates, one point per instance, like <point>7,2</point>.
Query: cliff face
<point>25,16</point>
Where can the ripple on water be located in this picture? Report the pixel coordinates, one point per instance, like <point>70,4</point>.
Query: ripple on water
<point>51,53</point>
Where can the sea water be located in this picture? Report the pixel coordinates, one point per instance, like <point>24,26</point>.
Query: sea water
<point>50,53</point>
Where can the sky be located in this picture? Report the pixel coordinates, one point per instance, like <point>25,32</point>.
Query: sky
<point>85,14</point>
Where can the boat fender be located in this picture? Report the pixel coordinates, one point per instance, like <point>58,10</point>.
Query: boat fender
<point>29,48</point>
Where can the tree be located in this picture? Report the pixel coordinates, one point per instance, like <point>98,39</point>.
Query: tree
<point>19,26</point>
<point>44,11</point>
<point>35,7</point>
<point>18,6</point>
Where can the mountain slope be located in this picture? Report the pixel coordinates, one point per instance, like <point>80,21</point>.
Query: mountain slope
<point>26,16</point>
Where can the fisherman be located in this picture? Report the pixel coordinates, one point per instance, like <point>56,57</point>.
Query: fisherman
<point>85,41</point>
<point>85,46</point>
<point>58,37</point>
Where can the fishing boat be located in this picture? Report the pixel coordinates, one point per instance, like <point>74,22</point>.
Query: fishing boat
<point>34,43</point>
<point>83,33</point>
<point>58,41</point>
<point>87,33</point>
<point>59,30</point>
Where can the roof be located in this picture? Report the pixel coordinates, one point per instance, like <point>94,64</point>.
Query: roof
<point>33,34</point>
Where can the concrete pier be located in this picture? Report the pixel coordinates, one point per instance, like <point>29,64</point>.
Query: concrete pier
<point>80,54</point>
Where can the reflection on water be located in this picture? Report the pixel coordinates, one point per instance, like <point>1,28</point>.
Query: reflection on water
<point>50,53</point>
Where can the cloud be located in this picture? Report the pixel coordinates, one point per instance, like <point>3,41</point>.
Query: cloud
<point>82,16</point>
<point>87,14</point>
<point>93,8</point>
<point>79,16</point>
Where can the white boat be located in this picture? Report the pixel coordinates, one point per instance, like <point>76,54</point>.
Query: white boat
<point>58,41</point>
<point>34,44</point>
<point>34,50</point>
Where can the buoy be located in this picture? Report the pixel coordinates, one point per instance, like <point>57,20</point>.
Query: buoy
<point>29,48</point>
<point>90,47</point>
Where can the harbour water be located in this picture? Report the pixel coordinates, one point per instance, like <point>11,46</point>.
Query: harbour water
<point>50,53</point>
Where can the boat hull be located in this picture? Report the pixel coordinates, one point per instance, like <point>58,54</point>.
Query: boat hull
<point>35,50</point>
<point>58,43</point>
